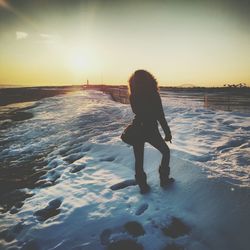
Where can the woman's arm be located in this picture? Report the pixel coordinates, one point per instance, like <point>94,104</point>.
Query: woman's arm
<point>161,118</point>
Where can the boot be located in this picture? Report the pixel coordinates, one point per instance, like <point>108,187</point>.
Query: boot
<point>164,176</point>
<point>141,180</point>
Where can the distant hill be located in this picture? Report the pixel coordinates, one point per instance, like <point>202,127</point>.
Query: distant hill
<point>186,86</point>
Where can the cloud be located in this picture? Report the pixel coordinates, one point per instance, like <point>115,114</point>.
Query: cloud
<point>20,35</point>
<point>42,38</point>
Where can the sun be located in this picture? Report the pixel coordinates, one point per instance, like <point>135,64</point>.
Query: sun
<point>81,60</point>
<point>77,60</point>
<point>78,63</point>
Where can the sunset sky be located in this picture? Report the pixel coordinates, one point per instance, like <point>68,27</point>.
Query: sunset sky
<point>64,42</point>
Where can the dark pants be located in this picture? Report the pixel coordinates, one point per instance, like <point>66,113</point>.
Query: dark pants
<point>152,136</point>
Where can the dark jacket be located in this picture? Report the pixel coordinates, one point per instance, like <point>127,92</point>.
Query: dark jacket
<point>148,110</point>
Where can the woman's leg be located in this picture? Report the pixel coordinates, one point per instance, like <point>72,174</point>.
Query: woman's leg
<point>157,141</point>
<point>139,155</point>
<point>140,175</point>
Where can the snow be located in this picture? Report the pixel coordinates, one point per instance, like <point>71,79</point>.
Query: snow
<point>78,137</point>
<point>216,140</point>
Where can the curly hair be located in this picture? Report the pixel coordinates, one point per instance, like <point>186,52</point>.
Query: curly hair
<point>142,83</point>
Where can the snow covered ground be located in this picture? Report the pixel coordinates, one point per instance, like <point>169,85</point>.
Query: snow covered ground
<point>85,198</point>
<point>217,140</point>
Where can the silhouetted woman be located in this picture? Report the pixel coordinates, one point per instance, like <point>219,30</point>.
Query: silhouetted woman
<point>146,104</point>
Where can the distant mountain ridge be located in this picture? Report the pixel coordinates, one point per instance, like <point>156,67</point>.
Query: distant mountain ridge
<point>187,85</point>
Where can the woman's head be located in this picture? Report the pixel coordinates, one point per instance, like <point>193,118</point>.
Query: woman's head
<point>142,83</point>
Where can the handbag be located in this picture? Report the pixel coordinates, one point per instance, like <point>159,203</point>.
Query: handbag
<point>132,134</point>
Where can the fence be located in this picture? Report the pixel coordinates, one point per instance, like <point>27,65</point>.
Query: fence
<point>225,99</point>
<point>228,101</point>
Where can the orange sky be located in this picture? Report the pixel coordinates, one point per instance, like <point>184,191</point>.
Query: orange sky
<point>203,43</point>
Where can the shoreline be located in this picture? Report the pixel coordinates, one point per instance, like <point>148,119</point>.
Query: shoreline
<point>15,94</point>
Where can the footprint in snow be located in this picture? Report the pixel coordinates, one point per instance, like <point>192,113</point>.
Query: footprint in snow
<point>11,234</point>
<point>51,210</point>
<point>134,228</point>
<point>123,184</point>
<point>73,157</point>
<point>129,230</point>
<point>125,244</point>
<point>77,168</point>
<point>141,209</point>
<point>125,236</point>
<point>108,159</point>
<point>176,228</point>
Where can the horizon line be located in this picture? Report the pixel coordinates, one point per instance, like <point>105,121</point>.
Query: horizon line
<point>181,86</point>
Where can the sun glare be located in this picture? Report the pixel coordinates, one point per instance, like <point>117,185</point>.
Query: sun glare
<point>4,4</point>
<point>78,63</point>
<point>81,59</point>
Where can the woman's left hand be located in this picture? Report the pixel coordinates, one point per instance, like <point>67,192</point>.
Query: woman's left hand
<point>168,137</point>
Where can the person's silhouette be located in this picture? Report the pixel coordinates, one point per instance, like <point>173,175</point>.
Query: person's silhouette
<point>146,104</point>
